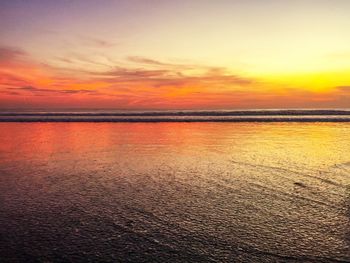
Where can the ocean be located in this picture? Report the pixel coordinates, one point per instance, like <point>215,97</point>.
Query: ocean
<point>87,187</point>
<point>307,115</point>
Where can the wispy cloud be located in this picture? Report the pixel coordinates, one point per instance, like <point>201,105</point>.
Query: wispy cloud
<point>168,77</point>
<point>147,61</point>
<point>96,42</point>
<point>345,88</point>
<point>43,91</point>
<point>8,54</point>
<point>9,92</point>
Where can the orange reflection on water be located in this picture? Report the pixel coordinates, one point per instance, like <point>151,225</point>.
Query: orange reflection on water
<point>317,143</point>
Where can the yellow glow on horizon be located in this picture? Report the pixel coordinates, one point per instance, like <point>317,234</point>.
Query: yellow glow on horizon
<point>317,81</point>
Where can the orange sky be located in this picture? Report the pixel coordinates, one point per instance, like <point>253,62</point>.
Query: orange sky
<point>128,55</point>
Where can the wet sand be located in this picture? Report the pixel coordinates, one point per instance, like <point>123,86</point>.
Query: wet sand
<point>175,192</point>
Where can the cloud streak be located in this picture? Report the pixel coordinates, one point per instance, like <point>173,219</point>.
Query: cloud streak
<point>43,91</point>
<point>96,42</point>
<point>10,54</point>
<point>344,88</point>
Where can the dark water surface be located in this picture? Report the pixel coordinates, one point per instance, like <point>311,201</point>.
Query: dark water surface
<point>175,192</point>
<point>307,115</point>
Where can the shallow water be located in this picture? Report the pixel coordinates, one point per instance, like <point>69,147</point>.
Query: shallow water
<point>175,192</point>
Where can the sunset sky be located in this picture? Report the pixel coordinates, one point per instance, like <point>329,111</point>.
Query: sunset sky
<point>183,54</point>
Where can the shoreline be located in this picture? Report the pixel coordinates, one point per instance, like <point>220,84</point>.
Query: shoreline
<point>160,120</point>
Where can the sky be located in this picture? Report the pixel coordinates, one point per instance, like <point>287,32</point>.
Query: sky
<point>184,54</point>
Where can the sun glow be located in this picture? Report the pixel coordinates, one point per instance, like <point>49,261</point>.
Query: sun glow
<point>224,55</point>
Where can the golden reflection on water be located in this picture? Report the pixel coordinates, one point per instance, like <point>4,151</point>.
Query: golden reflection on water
<point>319,144</point>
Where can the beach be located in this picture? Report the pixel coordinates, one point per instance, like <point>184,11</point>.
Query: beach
<point>175,192</point>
